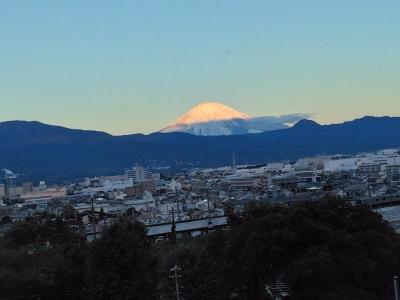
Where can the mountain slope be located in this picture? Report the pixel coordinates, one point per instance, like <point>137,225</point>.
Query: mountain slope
<point>211,111</point>
<point>209,118</point>
<point>51,152</point>
<point>14,134</point>
<point>212,119</point>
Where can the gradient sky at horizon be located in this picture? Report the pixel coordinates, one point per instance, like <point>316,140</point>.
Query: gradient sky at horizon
<point>135,66</point>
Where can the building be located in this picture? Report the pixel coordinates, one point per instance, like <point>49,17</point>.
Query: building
<point>112,183</point>
<point>393,172</point>
<point>243,181</point>
<point>145,203</point>
<point>139,188</point>
<point>340,164</point>
<point>2,191</point>
<point>27,187</point>
<point>139,174</point>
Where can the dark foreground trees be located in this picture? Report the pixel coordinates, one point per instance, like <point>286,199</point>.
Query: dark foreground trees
<point>42,259</point>
<point>327,250</point>
<point>122,264</point>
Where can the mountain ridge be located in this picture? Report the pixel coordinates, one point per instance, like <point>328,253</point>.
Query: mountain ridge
<point>42,151</point>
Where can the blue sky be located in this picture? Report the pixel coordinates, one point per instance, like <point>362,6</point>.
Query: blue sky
<point>135,66</point>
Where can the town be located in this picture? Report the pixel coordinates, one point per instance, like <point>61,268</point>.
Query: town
<point>194,201</point>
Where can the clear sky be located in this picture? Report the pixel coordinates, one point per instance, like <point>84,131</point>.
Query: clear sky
<point>135,66</point>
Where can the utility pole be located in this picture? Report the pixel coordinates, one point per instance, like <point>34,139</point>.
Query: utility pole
<point>176,276</point>
<point>369,194</point>
<point>5,189</point>
<point>177,203</point>
<point>209,225</point>
<point>172,236</point>
<point>93,219</point>
<point>396,288</point>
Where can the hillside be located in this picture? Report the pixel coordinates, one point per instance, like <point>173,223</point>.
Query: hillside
<point>39,150</point>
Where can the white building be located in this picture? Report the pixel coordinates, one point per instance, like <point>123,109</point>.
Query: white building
<point>174,185</point>
<point>375,160</point>
<point>118,183</point>
<point>274,167</point>
<point>139,174</point>
<point>341,164</point>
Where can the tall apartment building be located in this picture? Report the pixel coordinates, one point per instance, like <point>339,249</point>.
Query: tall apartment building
<point>139,174</point>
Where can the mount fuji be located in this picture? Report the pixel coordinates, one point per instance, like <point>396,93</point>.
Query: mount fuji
<point>213,119</point>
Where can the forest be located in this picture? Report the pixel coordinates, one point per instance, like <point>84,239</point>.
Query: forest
<point>322,250</point>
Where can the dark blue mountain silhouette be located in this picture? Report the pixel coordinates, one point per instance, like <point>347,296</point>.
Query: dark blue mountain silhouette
<point>45,151</point>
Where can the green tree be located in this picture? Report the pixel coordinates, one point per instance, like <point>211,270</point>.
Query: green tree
<point>122,263</point>
<point>42,257</point>
<point>325,250</point>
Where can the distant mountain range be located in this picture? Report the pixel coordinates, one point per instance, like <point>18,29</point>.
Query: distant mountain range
<point>213,118</point>
<point>38,150</point>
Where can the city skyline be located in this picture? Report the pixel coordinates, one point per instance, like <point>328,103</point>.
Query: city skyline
<point>137,66</point>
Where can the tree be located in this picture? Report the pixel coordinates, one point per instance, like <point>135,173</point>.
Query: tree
<point>122,263</point>
<point>326,250</point>
<point>233,217</point>
<point>42,257</point>
<point>322,250</point>
<point>70,212</point>
<point>102,214</point>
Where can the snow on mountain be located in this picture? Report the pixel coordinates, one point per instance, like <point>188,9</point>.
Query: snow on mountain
<point>212,119</point>
<point>210,112</point>
<point>209,118</point>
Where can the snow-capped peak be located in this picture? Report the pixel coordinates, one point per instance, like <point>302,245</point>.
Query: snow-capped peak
<point>209,112</point>
<point>213,118</point>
